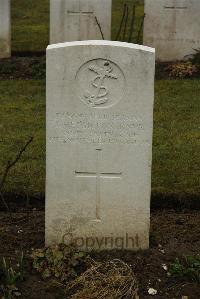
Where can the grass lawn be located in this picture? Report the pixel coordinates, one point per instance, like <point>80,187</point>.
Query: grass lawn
<point>30,23</point>
<point>22,115</point>
<point>176,146</point>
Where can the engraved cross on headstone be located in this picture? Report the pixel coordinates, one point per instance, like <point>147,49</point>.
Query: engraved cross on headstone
<point>79,13</point>
<point>98,175</point>
<point>174,7</point>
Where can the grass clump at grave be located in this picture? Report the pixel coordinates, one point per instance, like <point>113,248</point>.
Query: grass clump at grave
<point>106,280</point>
<point>186,268</point>
<point>10,275</point>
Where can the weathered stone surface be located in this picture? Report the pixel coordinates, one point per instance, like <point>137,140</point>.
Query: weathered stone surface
<point>74,20</point>
<point>5,47</point>
<point>172,28</point>
<point>99,143</point>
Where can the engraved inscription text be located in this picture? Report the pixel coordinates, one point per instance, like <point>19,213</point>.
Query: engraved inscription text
<point>89,129</point>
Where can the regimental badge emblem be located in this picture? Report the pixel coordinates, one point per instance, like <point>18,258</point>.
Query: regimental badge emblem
<point>101,83</point>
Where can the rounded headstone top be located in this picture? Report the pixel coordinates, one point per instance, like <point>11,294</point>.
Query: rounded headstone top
<point>101,43</point>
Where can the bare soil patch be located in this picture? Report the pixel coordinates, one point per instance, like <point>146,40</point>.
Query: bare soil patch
<point>173,234</point>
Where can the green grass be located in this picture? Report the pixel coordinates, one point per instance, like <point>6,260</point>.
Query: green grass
<point>117,12</point>
<point>30,23</point>
<point>176,146</point>
<point>22,115</point>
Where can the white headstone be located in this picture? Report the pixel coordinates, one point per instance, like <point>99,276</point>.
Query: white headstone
<point>74,20</point>
<point>172,28</point>
<point>5,48</point>
<point>99,143</point>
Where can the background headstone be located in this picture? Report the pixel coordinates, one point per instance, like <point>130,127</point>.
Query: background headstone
<point>74,20</point>
<point>5,43</point>
<point>172,28</point>
<point>99,144</point>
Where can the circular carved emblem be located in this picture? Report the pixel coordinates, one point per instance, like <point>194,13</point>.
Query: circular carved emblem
<point>100,83</point>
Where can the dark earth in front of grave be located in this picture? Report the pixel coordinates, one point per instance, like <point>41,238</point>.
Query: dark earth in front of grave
<point>32,66</point>
<point>173,234</point>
